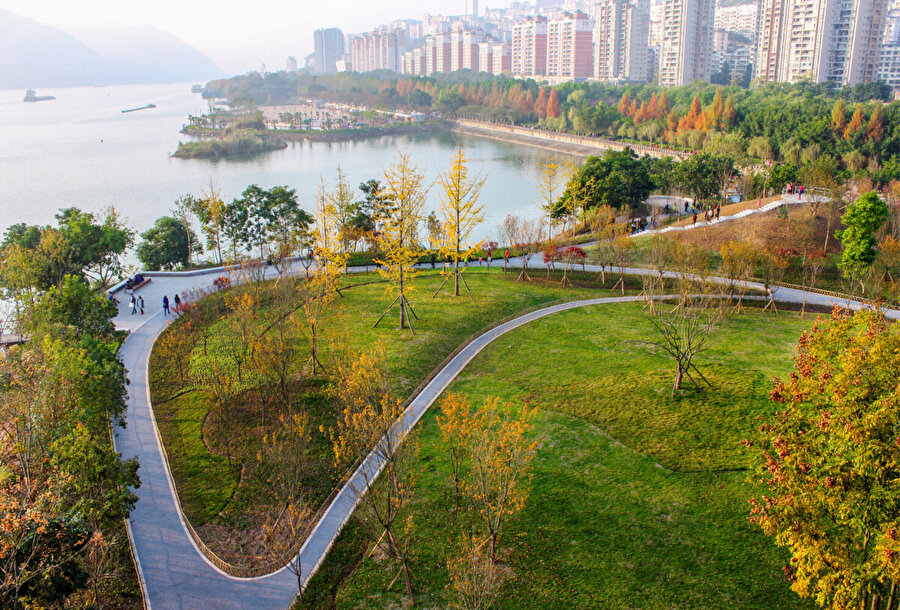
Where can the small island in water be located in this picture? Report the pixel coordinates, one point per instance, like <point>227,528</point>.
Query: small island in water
<point>243,137</point>
<point>31,96</point>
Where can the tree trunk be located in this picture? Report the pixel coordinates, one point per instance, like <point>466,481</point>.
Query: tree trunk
<point>679,374</point>
<point>456,277</point>
<point>408,577</point>
<point>402,302</point>
<point>493,547</point>
<point>890,603</point>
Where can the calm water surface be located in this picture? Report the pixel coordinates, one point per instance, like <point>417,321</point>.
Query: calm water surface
<point>80,150</point>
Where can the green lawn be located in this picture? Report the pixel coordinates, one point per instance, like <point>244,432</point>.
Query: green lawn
<point>219,497</point>
<point>637,499</point>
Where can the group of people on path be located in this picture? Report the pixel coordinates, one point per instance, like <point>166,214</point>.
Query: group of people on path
<point>795,188</point>
<point>710,214</point>
<point>137,304</point>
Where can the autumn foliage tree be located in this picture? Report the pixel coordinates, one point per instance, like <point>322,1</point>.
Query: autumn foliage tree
<point>500,455</point>
<point>460,213</point>
<point>829,460</point>
<point>490,453</point>
<point>405,188</point>
<point>370,423</point>
<point>320,289</point>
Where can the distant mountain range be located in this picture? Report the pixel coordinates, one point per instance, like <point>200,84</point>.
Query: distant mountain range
<point>33,55</point>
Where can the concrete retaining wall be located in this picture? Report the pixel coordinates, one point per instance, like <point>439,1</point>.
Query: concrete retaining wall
<point>559,141</point>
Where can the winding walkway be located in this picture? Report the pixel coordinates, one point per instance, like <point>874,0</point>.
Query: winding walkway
<point>174,573</point>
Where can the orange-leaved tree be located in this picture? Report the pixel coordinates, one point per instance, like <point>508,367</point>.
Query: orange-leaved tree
<point>455,423</point>
<point>829,458</point>
<point>501,451</point>
<point>370,424</point>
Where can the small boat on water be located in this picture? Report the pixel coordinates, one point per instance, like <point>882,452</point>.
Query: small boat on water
<point>197,89</point>
<point>30,96</point>
<point>140,108</point>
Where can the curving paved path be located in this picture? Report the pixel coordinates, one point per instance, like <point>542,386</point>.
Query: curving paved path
<point>173,571</point>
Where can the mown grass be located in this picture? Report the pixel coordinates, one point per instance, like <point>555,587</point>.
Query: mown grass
<point>227,499</point>
<point>637,500</point>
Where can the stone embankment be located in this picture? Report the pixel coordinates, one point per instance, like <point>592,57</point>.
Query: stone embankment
<point>559,142</point>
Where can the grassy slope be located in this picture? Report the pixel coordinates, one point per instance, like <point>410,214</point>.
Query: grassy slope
<point>209,489</point>
<point>637,500</point>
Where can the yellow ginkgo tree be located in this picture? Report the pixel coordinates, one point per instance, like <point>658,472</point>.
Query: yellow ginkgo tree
<point>460,213</point>
<point>317,293</point>
<point>405,191</point>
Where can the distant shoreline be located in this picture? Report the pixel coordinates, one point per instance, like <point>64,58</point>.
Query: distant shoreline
<point>335,135</point>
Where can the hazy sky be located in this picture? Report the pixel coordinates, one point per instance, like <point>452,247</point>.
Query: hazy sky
<point>238,35</point>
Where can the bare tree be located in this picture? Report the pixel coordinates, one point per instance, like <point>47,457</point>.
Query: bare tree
<point>528,243</point>
<point>685,330</point>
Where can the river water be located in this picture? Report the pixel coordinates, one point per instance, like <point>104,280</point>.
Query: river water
<point>81,150</point>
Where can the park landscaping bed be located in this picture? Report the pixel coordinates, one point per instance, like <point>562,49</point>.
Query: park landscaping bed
<point>637,499</point>
<point>229,501</point>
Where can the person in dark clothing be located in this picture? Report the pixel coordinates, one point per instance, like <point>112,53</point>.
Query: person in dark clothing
<point>177,303</point>
<point>432,260</point>
<point>166,304</point>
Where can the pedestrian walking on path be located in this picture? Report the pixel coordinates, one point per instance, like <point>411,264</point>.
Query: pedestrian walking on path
<point>490,256</point>
<point>141,304</point>
<point>166,304</point>
<point>695,218</point>
<point>133,305</point>
<point>506,259</point>
<point>177,303</point>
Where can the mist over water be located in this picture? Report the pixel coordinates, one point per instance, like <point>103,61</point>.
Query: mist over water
<point>80,150</point>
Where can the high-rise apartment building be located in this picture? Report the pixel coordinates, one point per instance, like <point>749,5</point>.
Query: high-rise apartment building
<point>472,8</point>
<point>471,41</point>
<point>570,46</point>
<point>621,37</point>
<point>528,54</point>
<point>687,52</point>
<point>329,48</point>
<point>740,18</point>
<point>889,65</point>
<point>836,41</point>
<point>378,50</point>
<point>657,9</point>
<point>501,58</point>
<point>485,57</point>
<point>892,22</point>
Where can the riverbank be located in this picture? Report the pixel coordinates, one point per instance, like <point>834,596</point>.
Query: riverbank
<point>557,142</point>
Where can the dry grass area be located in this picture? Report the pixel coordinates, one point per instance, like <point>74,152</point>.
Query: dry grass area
<point>800,230</point>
